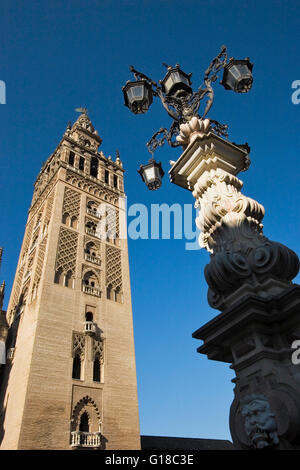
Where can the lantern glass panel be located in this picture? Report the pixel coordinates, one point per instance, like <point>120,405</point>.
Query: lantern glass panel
<point>176,80</point>
<point>244,70</point>
<point>135,93</point>
<point>137,96</point>
<point>180,78</point>
<point>230,81</point>
<point>168,83</point>
<point>238,76</point>
<point>150,173</point>
<point>235,71</point>
<point>138,92</point>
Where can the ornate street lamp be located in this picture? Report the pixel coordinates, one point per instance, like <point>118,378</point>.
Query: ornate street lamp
<point>249,277</point>
<point>181,103</point>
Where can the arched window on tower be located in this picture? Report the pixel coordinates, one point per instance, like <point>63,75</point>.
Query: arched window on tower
<point>92,253</point>
<point>109,292</point>
<point>74,222</point>
<point>66,219</point>
<point>69,279</point>
<point>115,181</point>
<point>84,422</point>
<point>71,158</point>
<point>97,369</point>
<point>89,316</point>
<point>59,276</point>
<point>94,167</point>
<point>118,295</point>
<point>90,228</point>
<point>76,372</point>
<point>81,164</point>
<point>90,284</point>
<point>92,208</point>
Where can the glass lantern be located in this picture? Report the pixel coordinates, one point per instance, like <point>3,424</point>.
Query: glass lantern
<point>152,174</point>
<point>176,82</point>
<point>138,96</point>
<point>237,75</point>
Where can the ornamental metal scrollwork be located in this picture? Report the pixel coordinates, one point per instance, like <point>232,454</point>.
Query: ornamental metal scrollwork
<point>184,107</point>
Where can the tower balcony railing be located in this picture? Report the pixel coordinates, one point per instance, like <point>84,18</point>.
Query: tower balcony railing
<point>93,232</point>
<point>91,290</point>
<point>90,231</point>
<point>93,212</point>
<point>89,327</point>
<point>92,259</point>
<point>85,439</point>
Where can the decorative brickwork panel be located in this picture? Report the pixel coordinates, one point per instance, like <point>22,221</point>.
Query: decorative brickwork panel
<point>113,267</point>
<point>67,250</point>
<point>112,222</point>
<point>92,188</point>
<point>71,203</point>
<point>98,349</point>
<point>78,345</point>
<point>28,237</point>
<point>16,291</point>
<point>40,260</point>
<point>42,190</point>
<point>89,405</point>
<point>49,207</point>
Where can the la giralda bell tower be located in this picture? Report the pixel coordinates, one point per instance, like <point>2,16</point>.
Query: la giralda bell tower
<point>70,377</point>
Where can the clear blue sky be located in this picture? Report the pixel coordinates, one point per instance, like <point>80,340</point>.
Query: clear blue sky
<point>56,56</point>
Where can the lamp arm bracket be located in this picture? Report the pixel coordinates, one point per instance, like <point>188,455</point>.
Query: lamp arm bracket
<point>211,75</point>
<point>164,101</point>
<point>220,129</point>
<point>217,64</point>
<point>166,135</point>
<point>141,76</point>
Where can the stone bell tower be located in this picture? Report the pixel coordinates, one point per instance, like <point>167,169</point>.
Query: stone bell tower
<point>70,378</point>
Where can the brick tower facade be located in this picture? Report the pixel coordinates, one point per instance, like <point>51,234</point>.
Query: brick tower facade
<point>70,378</point>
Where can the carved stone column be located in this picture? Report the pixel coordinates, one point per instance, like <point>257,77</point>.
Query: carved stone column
<point>249,279</point>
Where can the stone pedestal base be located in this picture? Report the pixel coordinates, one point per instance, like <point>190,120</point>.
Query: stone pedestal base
<point>257,336</point>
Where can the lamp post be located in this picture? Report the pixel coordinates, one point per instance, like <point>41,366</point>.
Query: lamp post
<point>249,277</point>
<point>179,100</point>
